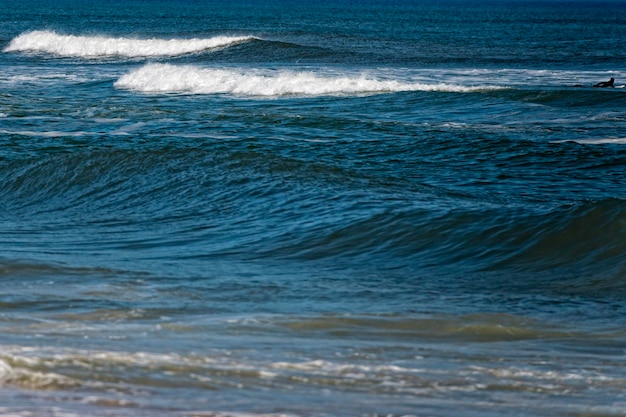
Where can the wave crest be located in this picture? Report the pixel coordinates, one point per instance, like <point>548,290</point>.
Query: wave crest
<point>101,46</point>
<point>167,78</point>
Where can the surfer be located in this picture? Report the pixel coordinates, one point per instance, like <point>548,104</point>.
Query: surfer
<point>605,84</point>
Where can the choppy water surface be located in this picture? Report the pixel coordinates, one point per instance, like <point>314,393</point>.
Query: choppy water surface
<point>346,209</point>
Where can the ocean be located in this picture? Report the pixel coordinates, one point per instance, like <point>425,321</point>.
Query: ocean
<point>337,208</point>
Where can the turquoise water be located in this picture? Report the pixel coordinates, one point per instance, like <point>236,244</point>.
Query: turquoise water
<point>347,208</point>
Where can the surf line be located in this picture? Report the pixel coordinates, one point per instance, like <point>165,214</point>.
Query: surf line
<point>102,46</point>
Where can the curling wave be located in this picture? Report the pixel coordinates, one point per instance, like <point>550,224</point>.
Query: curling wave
<point>102,46</point>
<point>168,78</point>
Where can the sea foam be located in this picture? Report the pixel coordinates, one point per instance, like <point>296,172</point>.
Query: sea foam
<point>102,46</point>
<point>168,78</point>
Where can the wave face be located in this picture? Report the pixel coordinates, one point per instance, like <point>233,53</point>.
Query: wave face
<point>202,196</point>
<point>42,41</point>
<point>167,78</point>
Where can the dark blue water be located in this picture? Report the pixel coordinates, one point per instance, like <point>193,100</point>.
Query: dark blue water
<point>339,208</point>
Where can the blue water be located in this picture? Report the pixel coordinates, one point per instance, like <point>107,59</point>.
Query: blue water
<point>346,208</point>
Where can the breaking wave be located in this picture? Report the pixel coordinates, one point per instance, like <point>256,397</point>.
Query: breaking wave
<point>168,78</point>
<point>102,46</point>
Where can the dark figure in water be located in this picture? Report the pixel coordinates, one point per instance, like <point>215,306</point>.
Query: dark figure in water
<point>608,83</point>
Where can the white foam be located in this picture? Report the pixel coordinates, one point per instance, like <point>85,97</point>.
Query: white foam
<point>331,368</point>
<point>167,78</point>
<point>102,46</point>
<point>45,134</point>
<point>598,141</point>
<point>29,378</point>
<point>41,78</point>
<point>20,76</point>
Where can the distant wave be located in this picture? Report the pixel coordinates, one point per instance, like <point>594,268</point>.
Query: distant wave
<point>102,46</point>
<point>598,141</point>
<point>167,78</point>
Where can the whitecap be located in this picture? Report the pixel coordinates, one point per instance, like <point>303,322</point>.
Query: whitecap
<point>598,141</point>
<point>103,46</point>
<point>168,78</point>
